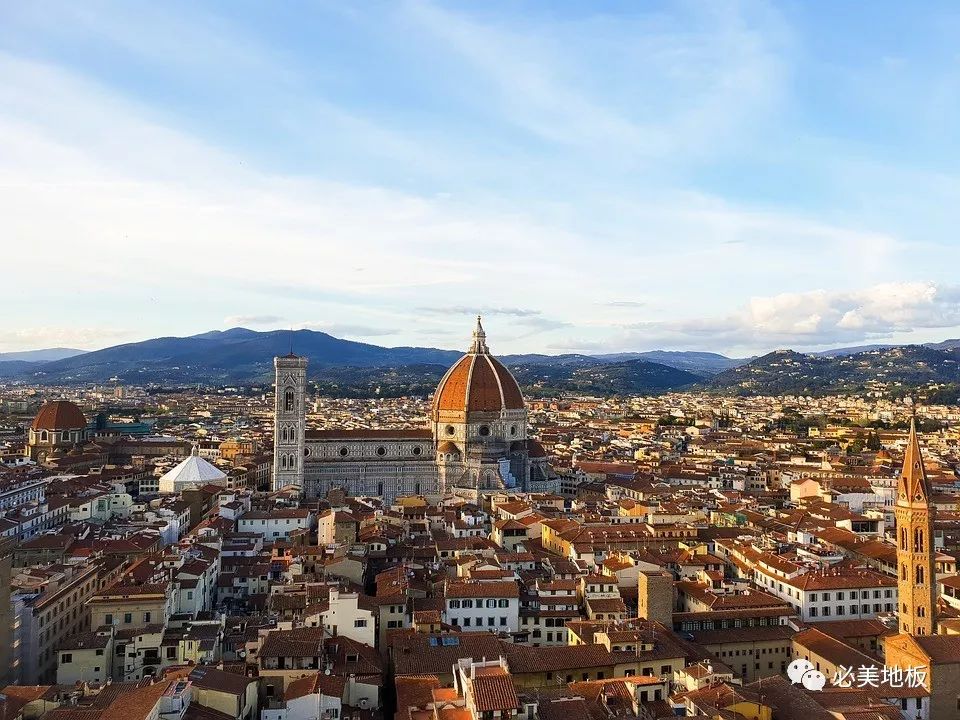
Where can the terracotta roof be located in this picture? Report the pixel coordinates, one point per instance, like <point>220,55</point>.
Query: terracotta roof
<point>495,589</point>
<point>318,683</point>
<point>494,691</point>
<point>59,415</point>
<point>414,692</point>
<point>942,649</point>
<point>220,681</point>
<point>477,382</point>
<point>429,654</point>
<point>524,659</point>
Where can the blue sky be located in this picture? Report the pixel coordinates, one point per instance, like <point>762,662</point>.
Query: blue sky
<point>590,176</point>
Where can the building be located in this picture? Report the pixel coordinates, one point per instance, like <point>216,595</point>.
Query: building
<point>56,429</point>
<point>190,473</point>
<point>655,596</point>
<point>86,657</point>
<point>275,524</point>
<point>476,440</point>
<point>233,694</point>
<point>47,614</point>
<point>130,605</point>
<point>917,581</point>
<point>483,606</point>
<point>350,615</point>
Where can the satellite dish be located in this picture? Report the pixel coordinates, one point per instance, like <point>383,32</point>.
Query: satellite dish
<point>327,671</point>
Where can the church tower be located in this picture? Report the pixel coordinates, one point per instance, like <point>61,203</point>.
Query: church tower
<point>917,585</point>
<point>289,421</point>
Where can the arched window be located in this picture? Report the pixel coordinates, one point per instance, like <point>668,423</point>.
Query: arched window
<point>903,572</point>
<point>283,462</point>
<point>921,611</point>
<point>919,575</point>
<point>380,489</point>
<point>918,540</point>
<point>288,401</point>
<point>43,436</point>
<point>903,538</point>
<point>283,434</point>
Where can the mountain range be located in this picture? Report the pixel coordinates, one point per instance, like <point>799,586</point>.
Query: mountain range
<point>45,355</point>
<point>345,367</point>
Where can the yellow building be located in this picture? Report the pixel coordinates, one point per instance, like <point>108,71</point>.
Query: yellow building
<point>130,606</point>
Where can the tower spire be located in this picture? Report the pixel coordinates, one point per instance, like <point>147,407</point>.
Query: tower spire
<point>479,344</point>
<point>914,512</point>
<point>913,478</point>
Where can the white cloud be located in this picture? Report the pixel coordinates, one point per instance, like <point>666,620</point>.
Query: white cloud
<point>483,310</point>
<point>244,320</point>
<point>114,193</point>
<point>812,319</point>
<point>342,330</point>
<point>82,338</point>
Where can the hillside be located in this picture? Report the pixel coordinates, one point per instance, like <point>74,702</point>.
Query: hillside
<point>892,369</point>
<point>699,363</point>
<point>40,356</point>
<point>345,367</point>
<point>229,356</point>
<point>536,379</point>
<point>339,367</point>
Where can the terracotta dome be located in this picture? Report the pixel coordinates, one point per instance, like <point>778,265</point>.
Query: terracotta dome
<point>478,382</point>
<point>535,449</point>
<point>59,415</point>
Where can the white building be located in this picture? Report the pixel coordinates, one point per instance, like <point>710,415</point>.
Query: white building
<point>275,524</point>
<point>483,606</point>
<point>346,617</point>
<point>831,594</point>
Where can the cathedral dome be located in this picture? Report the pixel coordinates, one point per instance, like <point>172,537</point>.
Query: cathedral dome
<point>59,415</point>
<point>477,382</point>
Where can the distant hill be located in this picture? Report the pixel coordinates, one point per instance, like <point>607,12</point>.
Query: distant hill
<point>229,356</point>
<point>945,345</point>
<point>603,378</point>
<point>348,368</point>
<point>836,352</point>
<point>700,363</point>
<point>338,366</point>
<point>839,352</point>
<point>637,377</point>
<point>789,372</point>
<point>41,355</point>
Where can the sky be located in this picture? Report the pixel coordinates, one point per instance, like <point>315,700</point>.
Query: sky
<point>589,176</point>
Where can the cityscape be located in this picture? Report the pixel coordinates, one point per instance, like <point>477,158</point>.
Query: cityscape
<point>270,551</point>
<point>426,360</point>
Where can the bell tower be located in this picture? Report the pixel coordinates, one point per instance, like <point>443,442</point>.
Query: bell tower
<point>917,581</point>
<point>289,421</point>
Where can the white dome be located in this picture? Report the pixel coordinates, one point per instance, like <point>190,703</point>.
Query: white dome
<point>194,471</point>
